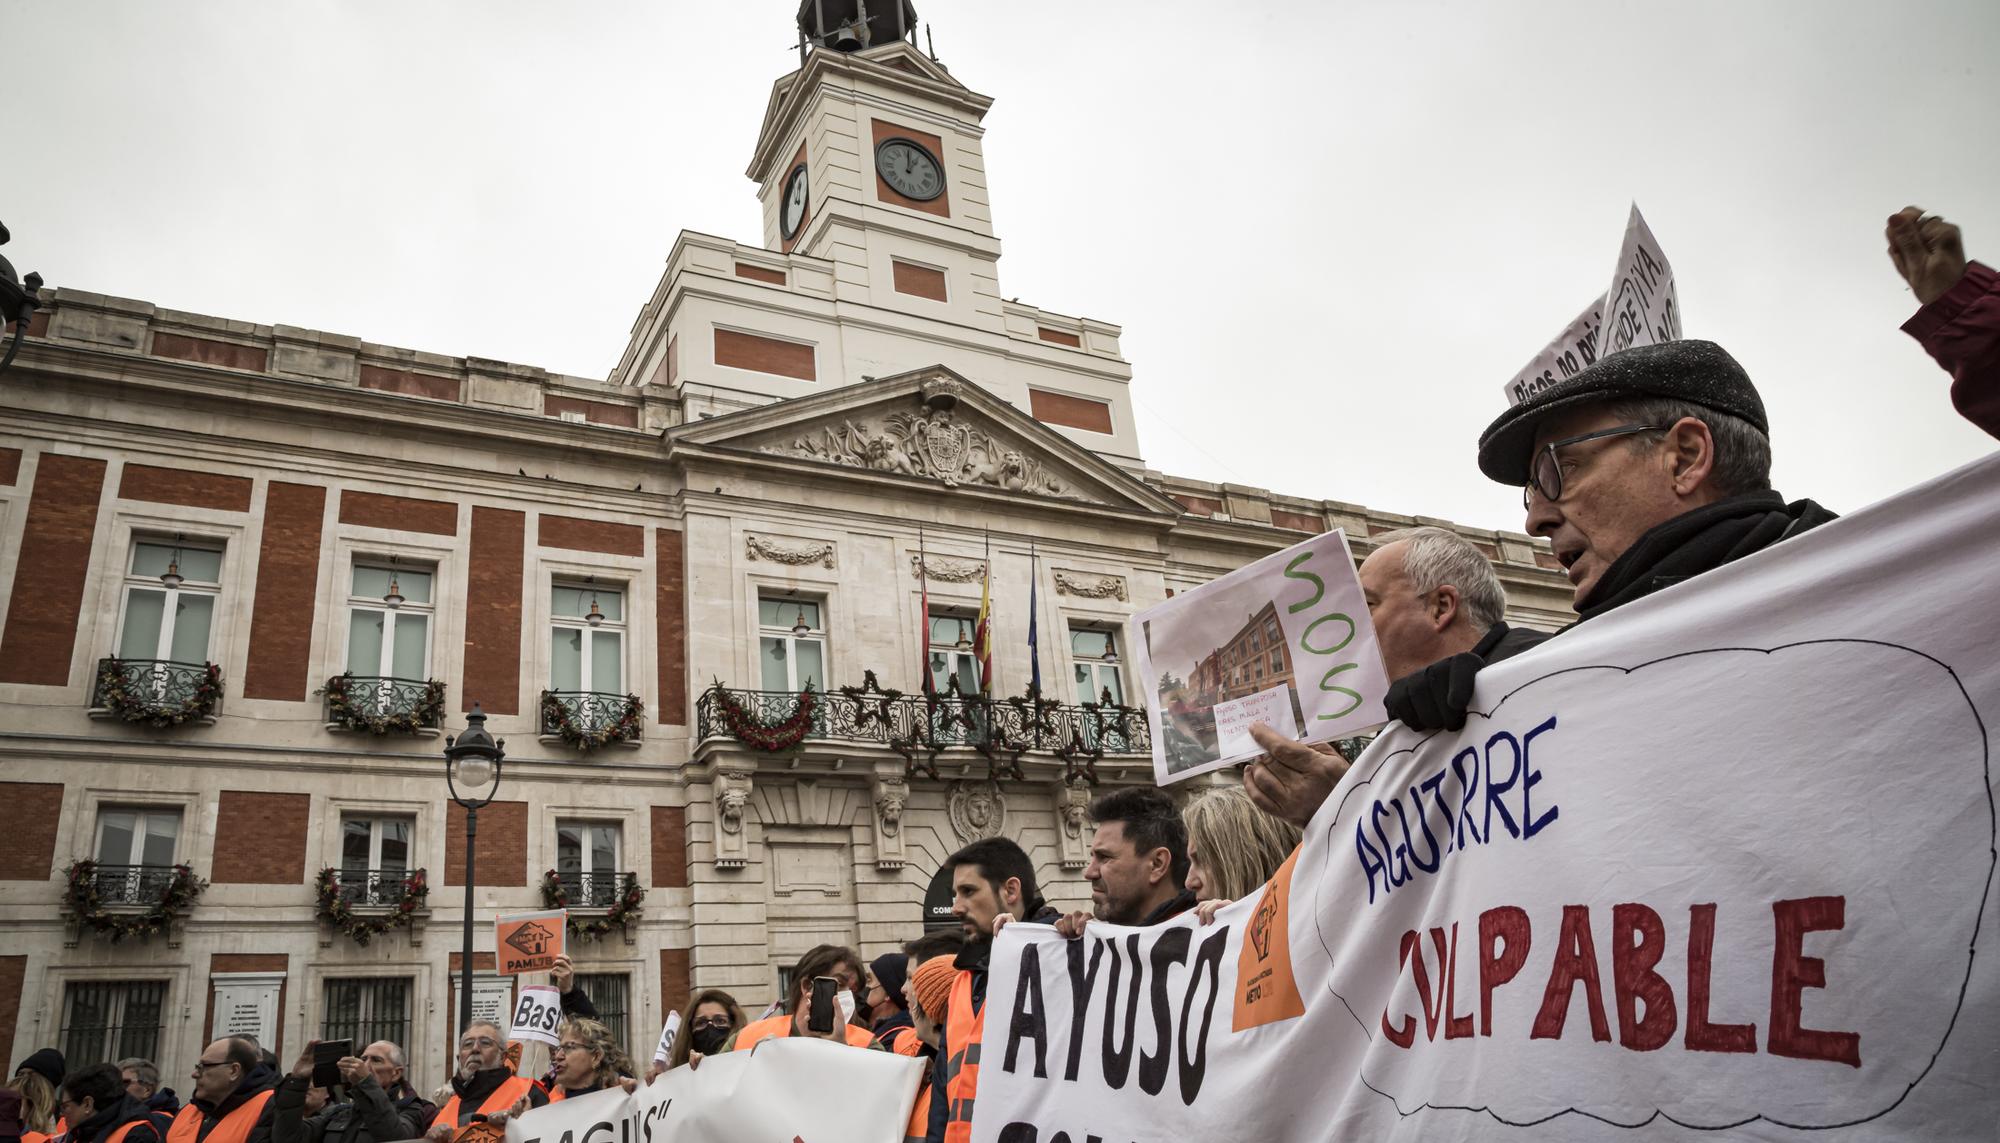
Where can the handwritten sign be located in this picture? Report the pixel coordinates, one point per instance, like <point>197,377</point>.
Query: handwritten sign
<point>1568,355</point>
<point>1720,863</point>
<point>528,942</point>
<point>1294,623</point>
<point>1640,308</point>
<point>537,1015</point>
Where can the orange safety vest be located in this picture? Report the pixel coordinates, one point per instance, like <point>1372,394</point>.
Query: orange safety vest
<point>505,1096</point>
<point>232,1128</point>
<point>920,1116</point>
<point>963,1028</point>
<point>902,1041</point>
<point>119,1135</point>
<point>781,1025</point>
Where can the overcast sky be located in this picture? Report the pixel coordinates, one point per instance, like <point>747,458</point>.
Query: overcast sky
<point>1331,231</point>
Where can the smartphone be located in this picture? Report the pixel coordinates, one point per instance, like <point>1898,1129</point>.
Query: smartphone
<point>327,1055</point>
<point>820,1016</point>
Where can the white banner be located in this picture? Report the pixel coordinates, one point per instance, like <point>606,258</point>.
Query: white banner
<point>1642,308</point>
<point>784,1089</point>
<point>1716,865</point>
<point>537,1015</point>
<point>1568,355</point>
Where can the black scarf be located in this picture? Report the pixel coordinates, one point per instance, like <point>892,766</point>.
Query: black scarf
<point>1699,541</point>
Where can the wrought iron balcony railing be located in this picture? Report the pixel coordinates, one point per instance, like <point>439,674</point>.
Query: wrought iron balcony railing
<point>159,692</point>
<point>371,888</point>
<point>921,726</point>
<point>131,884</point>
<point>595,890</point>
<point>381,704</point>
<point>590,719</point>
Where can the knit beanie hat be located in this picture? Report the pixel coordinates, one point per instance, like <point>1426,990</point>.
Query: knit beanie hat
<point>891,969</point>
<point>932,985</point>
<point>48,1062</point>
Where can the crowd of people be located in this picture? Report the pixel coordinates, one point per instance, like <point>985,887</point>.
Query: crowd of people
<point>1649,467</point>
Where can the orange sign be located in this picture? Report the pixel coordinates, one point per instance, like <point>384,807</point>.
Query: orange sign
<point>528,942</point>
<point>1265,990</point>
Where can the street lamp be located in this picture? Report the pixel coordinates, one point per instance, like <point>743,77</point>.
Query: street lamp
<point>472,774</point>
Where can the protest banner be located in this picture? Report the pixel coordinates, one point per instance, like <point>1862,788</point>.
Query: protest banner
<point>1717,864</point>
<point>1642,306</point>
<point>537,1015</point>
<point>785,1089</point>
<point>1286,641</point>
<point>528,942</point>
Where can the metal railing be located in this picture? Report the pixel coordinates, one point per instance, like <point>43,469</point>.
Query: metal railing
<point>375,697</point>
<point>131,884</point>
<point>371,888</point>
<point>588,713</point>
<point>920,726</point>
<point>595,890</point>
<point>160,689</point>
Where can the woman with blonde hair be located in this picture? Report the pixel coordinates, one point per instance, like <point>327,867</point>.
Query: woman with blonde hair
<point>587,1058</point>
<point>36,1081</point>
<point>1233,848</point>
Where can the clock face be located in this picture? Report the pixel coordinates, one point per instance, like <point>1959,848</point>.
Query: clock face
<point>793,211</point>
<point>909,170</point>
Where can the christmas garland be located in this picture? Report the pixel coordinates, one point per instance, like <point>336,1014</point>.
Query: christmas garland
<point>177,896</point>
<point>747,729</point>
<point>338,911</point>
<point>631,902</point>
<point>115,691</point>
<point>556,716</point>
<point>340,709</point>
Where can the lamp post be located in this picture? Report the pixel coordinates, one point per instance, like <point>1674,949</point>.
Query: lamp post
<point>472,774</point>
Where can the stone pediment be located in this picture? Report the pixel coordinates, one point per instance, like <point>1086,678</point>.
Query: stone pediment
<point>930,426</point>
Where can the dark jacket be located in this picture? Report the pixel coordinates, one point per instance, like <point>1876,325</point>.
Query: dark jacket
<point>126,1110</point>
<point>471,1093</point>
<point>164,1105</point>
<point>367,1115</point>
<point>1181,903</point>
<point>260,1079</point>
<point>575,1003</point>
<point>1699,541</point>
<point>1961,331</point>
<point>1504,642</point>
<point>974,958</point>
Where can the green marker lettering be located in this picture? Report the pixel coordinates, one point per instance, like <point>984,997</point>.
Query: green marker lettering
<point>1319,585</point>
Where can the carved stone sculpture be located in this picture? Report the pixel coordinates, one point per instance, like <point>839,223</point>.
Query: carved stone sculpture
<point>945,569</point>
<point>798,554</point>
<point>977,810</point>
<point>1090,586</point>
<point>932,444</point>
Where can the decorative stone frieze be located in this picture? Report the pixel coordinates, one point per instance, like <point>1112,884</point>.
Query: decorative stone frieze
<point>892,796</point>
<point>933,444</point>
<point>977,809</point>
<point>1072,804</point>
<point>1086,585</point>
<point>732,804</point>
<point>944,569</point>
<point>797,553</point>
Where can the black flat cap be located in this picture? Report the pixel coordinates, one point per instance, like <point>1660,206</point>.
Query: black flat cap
<point>1698,372</point>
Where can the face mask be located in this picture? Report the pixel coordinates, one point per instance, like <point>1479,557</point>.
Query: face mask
<point>708,1041</point>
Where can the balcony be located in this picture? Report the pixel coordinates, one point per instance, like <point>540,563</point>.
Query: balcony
<point>371,888</point>
<point>157,692</point>
<point>587,720</point>
<point>380,705</point>
<point>925,728</point>
<point>595,891</point>
<point>131,885</point>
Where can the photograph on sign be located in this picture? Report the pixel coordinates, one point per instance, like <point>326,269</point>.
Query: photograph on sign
<point>1285,641</point>
<point>528,942</point>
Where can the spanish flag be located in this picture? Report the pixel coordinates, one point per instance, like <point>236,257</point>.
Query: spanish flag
<point>982,632</point>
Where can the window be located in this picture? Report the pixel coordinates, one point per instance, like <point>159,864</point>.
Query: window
<point>170,592</point>
<point>112,1019</point>
<point>587,863</point>
<point>135,853</point>
<point>389,640</point>
<point>374,858</point>
<point>1095,653</point>
<point>607,992</point>
<point>587,638</point>
<point>1271,632</point>
<point>1277,660</point>
<point>368,1009</point>
<point>790,659</point>
<point>951,652</point>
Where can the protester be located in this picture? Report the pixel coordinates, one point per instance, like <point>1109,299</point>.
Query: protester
<point>892,1028</point>
<point>36,1080</point>
<point>992,882</point>
<point>142,1082</point>
<point>928,991</point>
<point>99,1110</point>
<point>231,1101</point>
<point>570,997</point>
<point>10,1115</point>
<point>379,1106</point>
<point>1959,324</point>
<point>706,1026</point>
<point>1233,848</point>
<point>483,1085</point>
<point>844,965</point>
<point>587,1059</point>
<point>1138,861</point>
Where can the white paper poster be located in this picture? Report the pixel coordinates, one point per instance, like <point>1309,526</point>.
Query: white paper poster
<point>1568,355</point>
<point>786,1089</point>
<point>665,1050</point>
<point>1295,622</point>
<point>537,1015</point>
<point>1641,307</point>
<point>1716,865</point>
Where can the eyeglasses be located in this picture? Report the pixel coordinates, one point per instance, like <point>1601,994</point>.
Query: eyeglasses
<point>478,1042</point>
<point>571,1047</point>
<point>709,1022</point>
<point>376,1059</point>
<point>203,1065</point>
<point>1545,471</point>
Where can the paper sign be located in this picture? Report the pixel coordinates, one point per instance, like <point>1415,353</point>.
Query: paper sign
<point>1234,718</point>
<point>537,1015</point>
<point>665,1051</point>
<point>528,942</point>
<point>1640,308</point>
<point>1719,864</point>
<point>1295,622</point>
